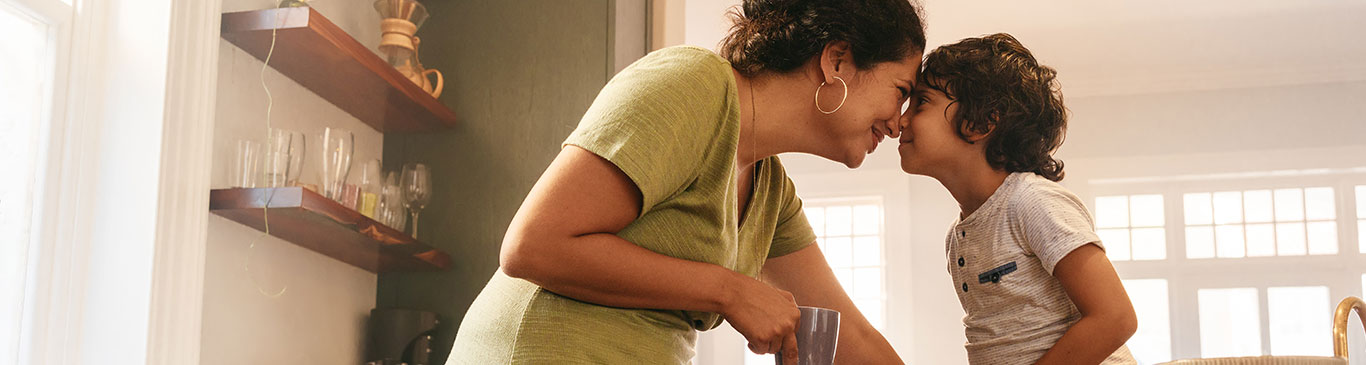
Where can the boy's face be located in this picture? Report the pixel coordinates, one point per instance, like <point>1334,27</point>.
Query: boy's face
<point>929,143</point>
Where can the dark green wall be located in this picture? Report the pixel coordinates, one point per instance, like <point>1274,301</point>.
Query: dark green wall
<point>519,74</point>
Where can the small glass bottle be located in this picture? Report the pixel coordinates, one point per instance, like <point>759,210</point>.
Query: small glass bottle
<point>370,188</point>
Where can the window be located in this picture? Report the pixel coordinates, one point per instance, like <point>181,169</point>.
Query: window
<point>1263,266</point>
<point>849,233</point>
<point>25,71</point>
<point>1152,343</point>
<point>1131,227</point>
<point>850,236</point>
<point>1361,218</point>
<point>1300,320</point>
<point>1253,223</point>
<point>1229,322</point>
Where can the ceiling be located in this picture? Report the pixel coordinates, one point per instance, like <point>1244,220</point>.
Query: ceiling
<point>1157,46</point>
<point>1155,49</point>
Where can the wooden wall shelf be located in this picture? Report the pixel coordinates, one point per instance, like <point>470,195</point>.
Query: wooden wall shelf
<point>313,221</point>
<point>320,56</point>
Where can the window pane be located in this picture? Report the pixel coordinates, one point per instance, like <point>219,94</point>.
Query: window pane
<point>1149,244</point>
<point>838,221</point>
<point>23,76</point>
<point>1230,324</point>
<point>1318,204</point>
<point>846,279</point>
<point>867,251</point>
<point>1289,205</point>
<point>1361,201</point>
<point>1361,235</point>
<point>1300,321</point>
<point>1153,341</point>
<point>838,252</point>
<point>816,216</point>
<point>1261,240</point>
<point>1199,209</point>
<point>1229,240</point>
<point>1323,238</point>
<point>866,219</point>
<point>752,358</point>
<point>1145,211</point>
<point>1290,239</point>
<point>1116,243</point>
<point>1228,207</point>
<point>1199,242</point>
<point>1112,212</point>
<point>1257,206</point>
<point>868,283</point>
<point>872,309</point>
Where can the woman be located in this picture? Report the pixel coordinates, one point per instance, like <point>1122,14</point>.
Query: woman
<point>667,210</point>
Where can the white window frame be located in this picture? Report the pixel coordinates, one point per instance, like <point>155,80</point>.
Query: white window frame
<point>116,267</point>
<point>1341,272</point>
<point>43,298</point>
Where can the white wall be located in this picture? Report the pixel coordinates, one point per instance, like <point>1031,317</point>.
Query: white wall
<point>320,318</point>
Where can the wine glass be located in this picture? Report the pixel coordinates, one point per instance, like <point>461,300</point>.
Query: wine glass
<point>417,189</point>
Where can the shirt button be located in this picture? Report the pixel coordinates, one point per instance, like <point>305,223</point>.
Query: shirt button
<point>965,287</point>
<point>960,261</point>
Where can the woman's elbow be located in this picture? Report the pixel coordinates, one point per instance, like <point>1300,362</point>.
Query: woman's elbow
<point>517,258</point>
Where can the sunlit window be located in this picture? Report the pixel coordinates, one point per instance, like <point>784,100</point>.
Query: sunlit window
<point>24,73</point>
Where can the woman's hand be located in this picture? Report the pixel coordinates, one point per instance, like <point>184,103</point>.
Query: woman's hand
<point>808,276</point>
<point>765,315</point>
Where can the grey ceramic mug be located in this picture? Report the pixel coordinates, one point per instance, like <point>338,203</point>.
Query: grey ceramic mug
<point>818,331</point>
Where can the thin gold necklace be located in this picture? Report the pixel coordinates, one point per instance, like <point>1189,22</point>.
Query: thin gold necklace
<point>753,145</point>
<point>754,115</point>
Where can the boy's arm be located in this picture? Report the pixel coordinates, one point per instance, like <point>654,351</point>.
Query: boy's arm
<point>1107,316</point>
<point>807,275</point>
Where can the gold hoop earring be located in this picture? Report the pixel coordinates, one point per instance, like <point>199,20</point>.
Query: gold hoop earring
<point>842,99</point>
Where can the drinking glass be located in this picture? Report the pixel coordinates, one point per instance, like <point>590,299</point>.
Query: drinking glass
<point>245,172</point>
<point>338,145</point>
<point>283,158</point>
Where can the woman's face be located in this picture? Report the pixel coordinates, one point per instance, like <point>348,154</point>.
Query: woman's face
<point>871,110</point>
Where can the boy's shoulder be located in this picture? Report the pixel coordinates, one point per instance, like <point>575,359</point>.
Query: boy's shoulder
<point>1031,191</point>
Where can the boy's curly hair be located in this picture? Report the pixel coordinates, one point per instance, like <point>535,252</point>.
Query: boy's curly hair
<point>1004,92</point>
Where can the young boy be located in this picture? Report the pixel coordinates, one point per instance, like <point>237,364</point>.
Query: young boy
<point>1030,271</point>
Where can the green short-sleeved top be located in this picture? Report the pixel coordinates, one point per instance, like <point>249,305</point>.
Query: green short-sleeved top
<point>671,123</point>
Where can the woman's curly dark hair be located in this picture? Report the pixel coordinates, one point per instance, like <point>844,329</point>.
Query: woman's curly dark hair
<point>1002,91</point>
<point>781,35</point>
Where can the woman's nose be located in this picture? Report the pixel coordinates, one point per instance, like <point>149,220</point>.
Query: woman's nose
<point>893,127</point>
<point>904,121</point>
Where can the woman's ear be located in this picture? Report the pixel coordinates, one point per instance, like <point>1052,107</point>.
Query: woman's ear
<point>837,59</point>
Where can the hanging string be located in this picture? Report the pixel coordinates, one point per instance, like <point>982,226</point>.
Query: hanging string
<point>270,193</point>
